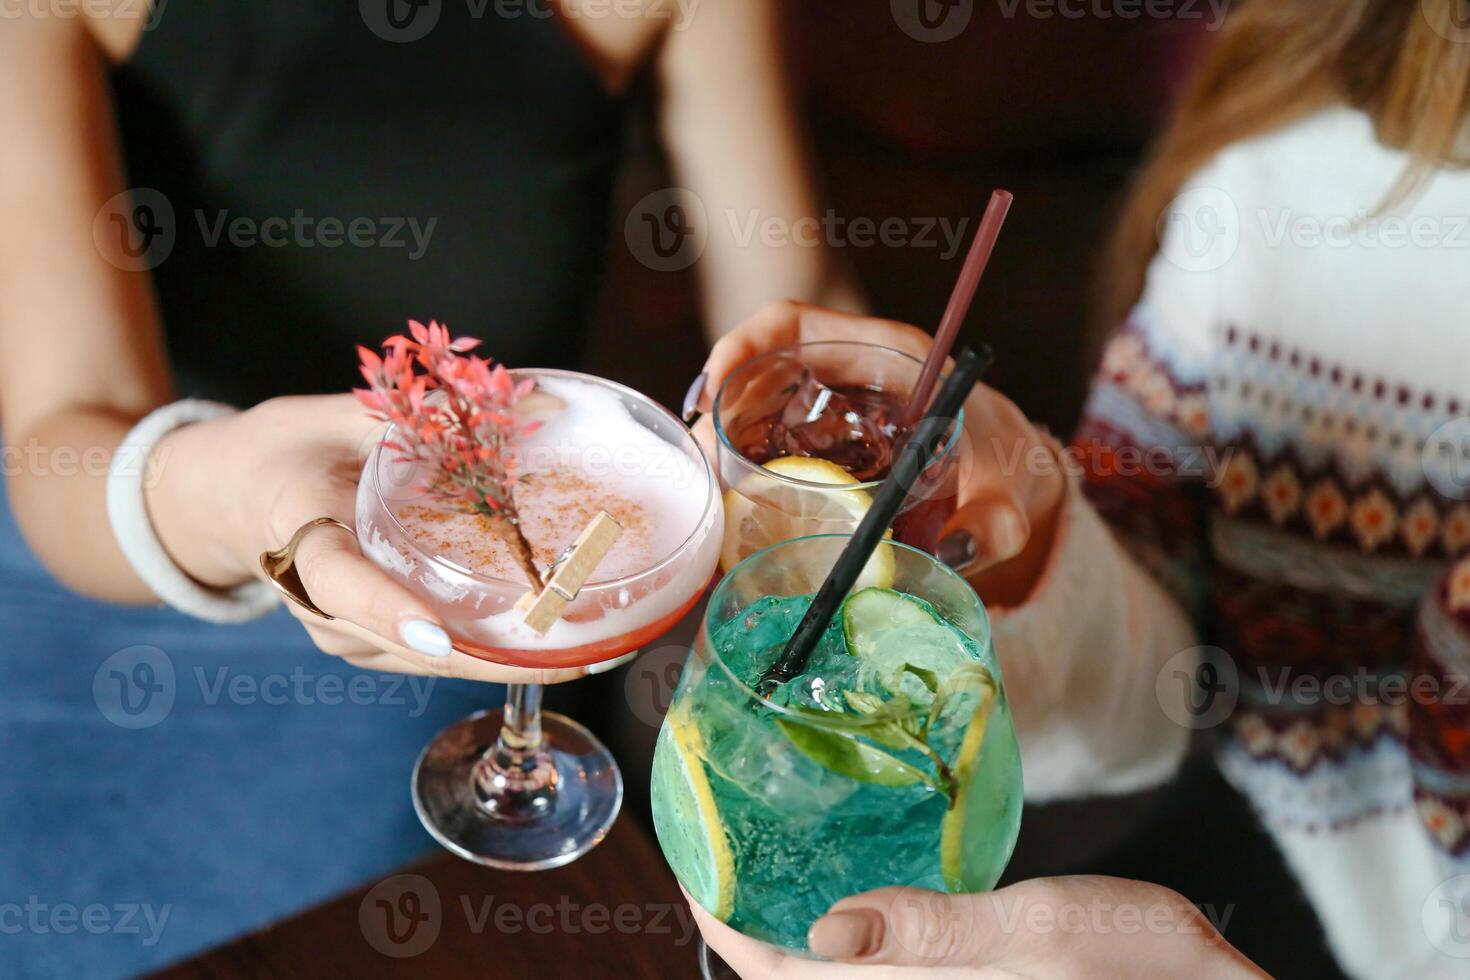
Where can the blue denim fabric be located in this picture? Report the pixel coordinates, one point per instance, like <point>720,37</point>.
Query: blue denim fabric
<point>166,784</point>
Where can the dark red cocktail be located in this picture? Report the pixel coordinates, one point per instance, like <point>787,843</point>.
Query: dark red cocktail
<point>806,432</point>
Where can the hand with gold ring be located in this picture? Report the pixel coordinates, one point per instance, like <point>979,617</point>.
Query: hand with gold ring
<point>235,487</point>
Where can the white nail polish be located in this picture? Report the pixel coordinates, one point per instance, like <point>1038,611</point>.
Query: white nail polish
<point>691,400</point>
<point>425,637</point>
<point>608,665</point>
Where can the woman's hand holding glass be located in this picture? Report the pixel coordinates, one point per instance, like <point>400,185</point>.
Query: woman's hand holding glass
<point>1012,484</point>
<point>228,489</point>
<point>1071,928</point>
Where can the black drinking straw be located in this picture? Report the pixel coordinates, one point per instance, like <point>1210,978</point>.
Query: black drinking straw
<point>926,440</point>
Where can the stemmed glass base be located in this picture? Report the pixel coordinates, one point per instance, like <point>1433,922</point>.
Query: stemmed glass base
<point>520,810</point>
<point>711,967</point>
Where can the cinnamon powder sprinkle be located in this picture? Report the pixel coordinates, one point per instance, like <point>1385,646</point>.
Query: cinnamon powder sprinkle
<point>555,505</point>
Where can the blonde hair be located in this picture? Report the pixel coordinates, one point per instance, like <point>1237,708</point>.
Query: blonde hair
<point>1406,63</point>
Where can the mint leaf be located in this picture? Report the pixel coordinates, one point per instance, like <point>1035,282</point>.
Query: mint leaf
<point>847,756</point>
<point>964,677</point>
<point>927,677</point>
<point>899,733</point>
<point>863,702</point>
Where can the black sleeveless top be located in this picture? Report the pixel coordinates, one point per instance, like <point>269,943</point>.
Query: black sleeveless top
<point>333,169</point>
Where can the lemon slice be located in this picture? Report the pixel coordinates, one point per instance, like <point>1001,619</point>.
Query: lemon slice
<point>687,820</point>
<point>760,512</point>
<point>952,830</point>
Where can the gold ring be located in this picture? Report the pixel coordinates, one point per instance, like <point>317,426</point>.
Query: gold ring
<point>280,566</point>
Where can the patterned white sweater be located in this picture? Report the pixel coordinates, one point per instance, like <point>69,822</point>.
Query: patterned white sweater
<point>1270,543</point>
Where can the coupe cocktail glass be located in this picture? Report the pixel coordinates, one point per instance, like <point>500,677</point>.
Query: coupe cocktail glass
<point>890,761</point>
<point>807,433</point>
<point>518,788</point>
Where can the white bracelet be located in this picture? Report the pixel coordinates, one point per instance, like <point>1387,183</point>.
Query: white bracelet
<point>127,509</point>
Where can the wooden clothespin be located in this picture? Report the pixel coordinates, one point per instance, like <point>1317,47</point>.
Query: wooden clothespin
<point>568,575</point>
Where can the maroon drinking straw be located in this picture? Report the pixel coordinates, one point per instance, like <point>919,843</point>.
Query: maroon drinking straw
<point>959,304</point>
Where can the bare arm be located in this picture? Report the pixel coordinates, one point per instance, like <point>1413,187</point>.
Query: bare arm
<point>83,356</point>
<point>732,134</point>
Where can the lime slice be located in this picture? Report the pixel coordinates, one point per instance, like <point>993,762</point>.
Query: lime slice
<point>760,512</point>
<point>867,613</point>
<point>687,819</point>
<point>952,830</point>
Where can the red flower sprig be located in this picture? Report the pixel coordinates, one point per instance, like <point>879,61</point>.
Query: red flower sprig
<point>454,414</point>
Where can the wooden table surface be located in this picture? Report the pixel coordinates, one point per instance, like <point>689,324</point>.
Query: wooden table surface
<point>615,913</point>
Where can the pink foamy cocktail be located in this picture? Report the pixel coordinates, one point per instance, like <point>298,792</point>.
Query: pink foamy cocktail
<point>600,448</point>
